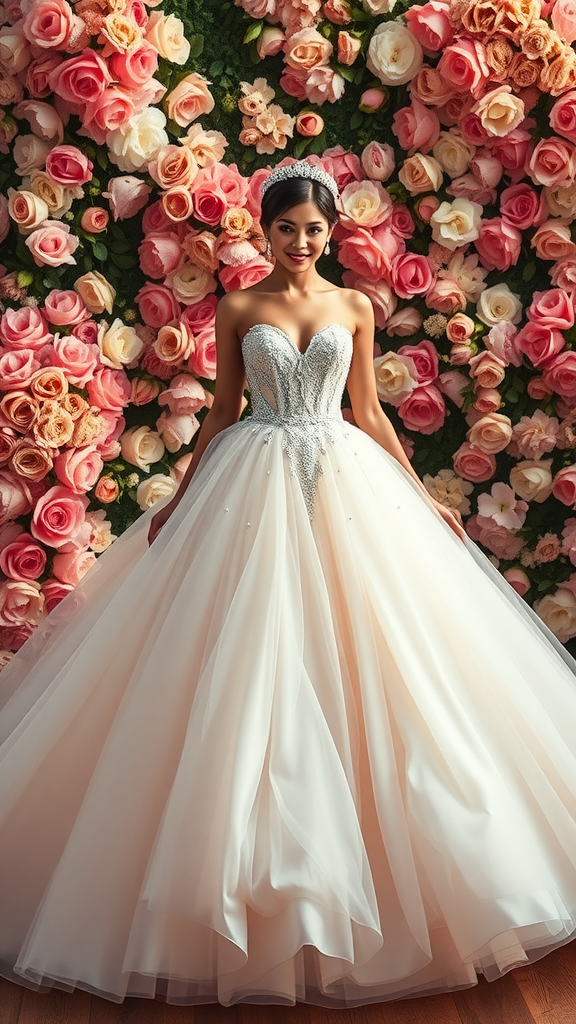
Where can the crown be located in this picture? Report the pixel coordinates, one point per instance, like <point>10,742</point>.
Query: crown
<point>301,169</point>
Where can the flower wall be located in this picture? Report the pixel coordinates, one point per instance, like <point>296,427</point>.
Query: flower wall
<point>135,138</point>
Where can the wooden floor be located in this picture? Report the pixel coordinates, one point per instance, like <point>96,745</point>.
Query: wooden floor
<point>542,994</point>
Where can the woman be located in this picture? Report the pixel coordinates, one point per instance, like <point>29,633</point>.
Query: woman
<point>304,747</point>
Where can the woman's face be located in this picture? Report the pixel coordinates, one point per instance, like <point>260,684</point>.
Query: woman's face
<point>298,237</point>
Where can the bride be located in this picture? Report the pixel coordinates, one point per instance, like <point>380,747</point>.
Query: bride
<point>308,745</point>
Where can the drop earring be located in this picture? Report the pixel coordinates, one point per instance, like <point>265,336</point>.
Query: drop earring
<point>327,249</point>
<point>268,250</point>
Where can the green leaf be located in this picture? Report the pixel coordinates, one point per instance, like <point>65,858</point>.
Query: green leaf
<point>100,251</point>
<point>249,156</point>
<point>528,272</point>
<point>356,119</point>
<point>24,278</point>
<point>544,585</point>
<point>359,15</point>
<point>511,396</point>
<point>253,31</point>
<point>123,260</point>
<point>300,147</point>
<point>347,73</point>
<point>51,278</point>
<point>119,245</point>
<point>318,144</point>
<point>196,46</point>
<point>216,68</point>
<point>102,158</point>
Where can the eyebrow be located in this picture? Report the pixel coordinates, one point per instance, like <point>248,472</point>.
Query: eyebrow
<point>310,224</point>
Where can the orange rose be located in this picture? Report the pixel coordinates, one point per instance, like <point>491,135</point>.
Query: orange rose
<point>309,124</point>
<point>48,383</point>
<point>106,490</point>
<point>74,404</point>
<point>178,204</point>
<point>20,409</point>
<point>307,49</point>
<point>201,249</point>
<point>348,48</point>
<point>94,220</point>
<point>174,167</point>
<point>237,222</point>
<point>31,461</point>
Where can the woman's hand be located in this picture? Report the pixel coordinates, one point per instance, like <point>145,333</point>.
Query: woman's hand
<point>452,517</point>
<point>159,520</point>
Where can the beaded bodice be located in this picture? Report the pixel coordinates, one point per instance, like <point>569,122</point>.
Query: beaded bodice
<point>300,392</point>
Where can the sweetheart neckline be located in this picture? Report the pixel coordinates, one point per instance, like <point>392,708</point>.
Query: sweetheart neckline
<point>289,339</point>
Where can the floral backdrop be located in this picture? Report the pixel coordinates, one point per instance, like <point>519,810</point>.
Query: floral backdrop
<point>135,137</point>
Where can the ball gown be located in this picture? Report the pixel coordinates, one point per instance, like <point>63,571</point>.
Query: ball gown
<point>308,746</point>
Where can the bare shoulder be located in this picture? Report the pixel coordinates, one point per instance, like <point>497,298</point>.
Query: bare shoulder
<point>360,307</point>
<point>231,309</point>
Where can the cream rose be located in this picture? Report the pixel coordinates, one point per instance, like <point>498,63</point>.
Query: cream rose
<point>394,54</point>
<point>532,480</point>
<point>155,489</point>
<point>96,292</point>
<point>561,200</point>
<point>558,612</point>
<point>191,284</point>
<point>119,344</point>
<point>499,111</point>
<point>453,153</point>
<point>449,489</point>
<point>58,199</point>
<point>142,447</point>
<point>137,143</point>
<point>421,173</point>
<point>455,224</point>
<point>26,210</point>
<point>174,343</point>
<point>166,34</point>
<point>497,304</point>
<point>395,377</point>
<point>491,433</point>
<point>365,204</point>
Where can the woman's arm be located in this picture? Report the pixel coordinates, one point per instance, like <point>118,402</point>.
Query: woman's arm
<point>368,412</point>
<point>226,407</point>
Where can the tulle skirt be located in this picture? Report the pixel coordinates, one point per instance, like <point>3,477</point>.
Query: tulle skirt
<point>275,758</point>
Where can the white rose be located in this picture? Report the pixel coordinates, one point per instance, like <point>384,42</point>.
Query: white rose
<point>29,153</point>
<point>421,173</point>
<point>395,377</point>
<point>532,480</point>
<point>190,283</point>
<point>14,49</point>
<point>455,224</point>
<point>155,489</point>
<point>134,146</point>
<point>561,200</point>
<point>497,304</point>
<point>378,6</point>
<point>142,447</point>
<point>453,153</point>
<point>119,344</point>
<point>558,612</point>
<point>365,204</point>
<point>394,54</point>
<point>166,35</point>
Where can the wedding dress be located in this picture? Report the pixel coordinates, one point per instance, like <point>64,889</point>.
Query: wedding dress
<point>308,746</point>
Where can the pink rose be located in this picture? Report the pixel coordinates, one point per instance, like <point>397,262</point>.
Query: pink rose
<point>200,315</point>
<point>144,390</point>
<point>159,253</point>
<point>86,332</point>
<point>538,389</point>
<point>306,50</point>
<point>16,368</point>
<point>54,591</point>
<point>500,541</point>
<point>245,275</point>
<point>451,384</point>
<point>487,370</point>
<point>64,307</point>
<point>24,328</point>
<point>552,308</point>
<point>157,305</point>
<point>77,359</point>
<point>202,362</point>
<point>446,296</point>
<point>425,358</point>
<point>411,275</point>
<point>378,161</point>
<point>94,220</point>
<point>112,110</point>
<point>473,463</point>
<point>502,341</point>
<point>370,253</point>
<point>404,323</point>
<point>293,83</point>
<point>517,579</point>
<point>52,245</point>
<point>371,100</point>
<point>68,166</point>
<point>348,48</point>
<point>430,25</point>
<point>564,20</point>
<point>23,559</point>
<point>486,400</point>
<point>176,430</point>
<point>534,436</point>
<point>81,79</point>
<point>423,410</point>
<point>16,496</point>
<point>416,127</point>
<point>37,74</point>
<point>563,274</point>
<point>560,374</point>
<point>134,68</point>
<point>563,115</point>
<point>79,468</point>
<point>52,24</point>
<point>107,444</point>
<point>337,11</point>
<point>379,292</point>
<point>492,433</point>
<point>58,517</point>
<point>513,151</point>
<point>553,241</point>
<point>553,163</point>
<point>71,566</point>
<point>463,65</point>
<point>109,389</point>
<point>498,244</point>
<point>189,100</point>
<point>126,196</point>
<point>459,328</point>
<point>344,167</point>
<point>564,486</point>
<point>185,396</point>
<point>271,41</point>
<point>522,207</point>
<point>217,189</point>
<point>540,343</point>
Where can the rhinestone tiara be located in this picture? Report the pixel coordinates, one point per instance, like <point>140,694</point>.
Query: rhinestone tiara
<point>301,169</point>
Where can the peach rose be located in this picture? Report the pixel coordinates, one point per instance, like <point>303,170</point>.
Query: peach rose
<point>553,241</point>
<point>119,344</point>
<point>154,489</point>
<point>23,559</point>
<point>455,224</point>
<point>20,409</point>
<point>94,220</point>
<point>309,124</point>
<point>21,601</point>
<point>190,283</point>
<point>553,162</point>
<point>404,323</point>
<point>499,111</point>
<point>71,566</point>
<point>106,490</point>
<point>473,463</point>
<point>189,100</point>
<point>48,383</point>
<point>54,426</point>
<point>348,48</point>
<point>378,160</point>
<point>271,40</point>
<point>306,49</point>
<point>421,173</point>
<point>446,295</point>
<point>96,292</point>
<point>487,370</point>
<point>558,612</point>
<point>79,468</point>
<point>52,245</point>
<point>459,328</point>
<point>174,167</point>
<point>166,34</point>
<point>175,430</point>
<point>564,19</point>
<point>15,52</point>
<point>207,146</point>
<point>30,461</point>
<point>27,210</point>
<point>174,343</point>
<point>486,399</point>
<point>364,204</point>
<point>491,433</point>
<point>58,517</point>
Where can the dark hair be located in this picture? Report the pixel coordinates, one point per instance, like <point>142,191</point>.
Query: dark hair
<point>293,191</point>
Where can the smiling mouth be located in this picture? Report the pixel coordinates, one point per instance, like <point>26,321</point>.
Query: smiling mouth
<point>298,256</point>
